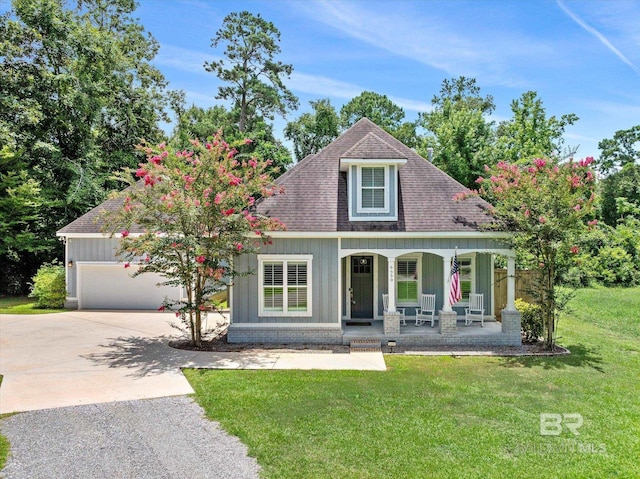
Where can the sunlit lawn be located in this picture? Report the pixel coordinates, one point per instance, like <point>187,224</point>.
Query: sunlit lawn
<point>23,305</point>
<point>445,417</point>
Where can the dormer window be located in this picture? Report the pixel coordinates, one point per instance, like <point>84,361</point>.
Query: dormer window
<point>373,189</point>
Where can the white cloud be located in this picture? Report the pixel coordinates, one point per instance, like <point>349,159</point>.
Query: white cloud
<point>328,87</point>
<point>433,40</point>
<point>183,59</point>
<point>605,41</point>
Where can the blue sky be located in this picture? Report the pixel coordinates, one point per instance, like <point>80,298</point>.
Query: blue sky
<point>581,57</point>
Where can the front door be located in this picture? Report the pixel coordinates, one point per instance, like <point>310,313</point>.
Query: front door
<point>362,287</point>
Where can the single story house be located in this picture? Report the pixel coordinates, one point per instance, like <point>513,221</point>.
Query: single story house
<point>366,219</point>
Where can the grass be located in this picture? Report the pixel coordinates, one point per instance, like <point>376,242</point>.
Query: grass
<point>445,417</point>
<point>23,305</point>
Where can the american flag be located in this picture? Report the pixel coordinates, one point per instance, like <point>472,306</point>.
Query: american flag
<point>455,293</point>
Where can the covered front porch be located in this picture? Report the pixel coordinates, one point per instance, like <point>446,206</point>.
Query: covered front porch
<point>400,272</point>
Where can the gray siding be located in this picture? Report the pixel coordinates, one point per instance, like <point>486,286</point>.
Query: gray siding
<point>477,244</point>
<point>324,294</point>
<point>433,278</point>
<point>87,249</point>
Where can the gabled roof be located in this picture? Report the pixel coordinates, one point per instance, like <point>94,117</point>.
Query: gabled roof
<point>315,197</point>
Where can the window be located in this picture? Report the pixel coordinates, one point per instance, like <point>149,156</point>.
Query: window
<point>285,285</point>
<point>467,283</point>
<point>373,187</point>
<point>407,281</point>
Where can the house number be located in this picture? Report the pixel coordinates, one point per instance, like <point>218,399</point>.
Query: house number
<point>391,272</point>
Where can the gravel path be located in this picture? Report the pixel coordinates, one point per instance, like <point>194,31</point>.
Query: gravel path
<point>154,438</point>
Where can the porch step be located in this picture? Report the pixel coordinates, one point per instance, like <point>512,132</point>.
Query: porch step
<point>365,345</point>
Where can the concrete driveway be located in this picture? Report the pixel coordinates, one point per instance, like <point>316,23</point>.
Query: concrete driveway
<point>88,357</point>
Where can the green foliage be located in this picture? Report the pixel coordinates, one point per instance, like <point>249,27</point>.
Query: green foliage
<point>381,111</point>
<point>196,211</point>
<point>311,132</point>
<point>615,266</point>
<point>49,287</point>
<point>545,205</point>
<point>460,134</point>
<point>200,123</point>
<point>77,92</point>
<point>532,322</point>
<point>620,194</point>
<point>621,150</point>
<point>530,134</point>
<point>253,79</point>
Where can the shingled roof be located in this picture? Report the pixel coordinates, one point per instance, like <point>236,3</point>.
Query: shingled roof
<point>315,197</point>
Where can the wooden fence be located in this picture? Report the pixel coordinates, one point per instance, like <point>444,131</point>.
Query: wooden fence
<point>524,283</point>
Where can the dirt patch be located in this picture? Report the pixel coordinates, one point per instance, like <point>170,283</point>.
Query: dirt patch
<point>220,345</point>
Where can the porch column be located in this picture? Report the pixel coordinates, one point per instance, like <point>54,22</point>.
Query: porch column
<point>446,267</point>
<point>391,283</point>
<point>511,283</point>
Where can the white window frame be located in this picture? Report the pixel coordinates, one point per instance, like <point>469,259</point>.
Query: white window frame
<point>418,259</point>
<point>472,259</point>
<point>285,258</point>
<point>385,209</point>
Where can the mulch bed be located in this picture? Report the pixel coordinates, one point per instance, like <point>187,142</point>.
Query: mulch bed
<point>220,345</point>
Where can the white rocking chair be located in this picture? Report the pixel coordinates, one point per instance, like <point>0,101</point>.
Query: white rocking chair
<point>475,311</point>
<point>427,310</point>
<point>385,305</point>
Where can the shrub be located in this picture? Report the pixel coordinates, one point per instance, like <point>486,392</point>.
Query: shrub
<point>49,287</point>
<point>615,266</point>
<point>532,323</point>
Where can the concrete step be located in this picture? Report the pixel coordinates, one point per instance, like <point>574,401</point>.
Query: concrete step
<point>364,345</point>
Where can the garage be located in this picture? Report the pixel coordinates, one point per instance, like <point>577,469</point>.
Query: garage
<point>110,286</point>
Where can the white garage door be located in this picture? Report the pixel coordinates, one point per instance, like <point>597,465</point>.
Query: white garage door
<point>112,287</point>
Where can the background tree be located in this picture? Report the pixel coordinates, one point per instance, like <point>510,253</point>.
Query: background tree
<point>311,132</point>
<point>546,206</point>
<point>530,134</point>
<point>77,92</point>
<point>621,150</point>
<point>459,132</point>
<point>252,78</point>
<point>198,123</point>
<point>197,208</point>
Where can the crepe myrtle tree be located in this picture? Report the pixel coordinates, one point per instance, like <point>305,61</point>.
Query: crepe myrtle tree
<point>546,205</point>
<point>196,209</point>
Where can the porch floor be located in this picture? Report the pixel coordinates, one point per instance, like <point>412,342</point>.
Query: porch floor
<point>376,331</point>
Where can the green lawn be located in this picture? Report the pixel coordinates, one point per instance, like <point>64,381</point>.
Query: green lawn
<point>4,443</point>
<point>23,305</point>
<point>444,417</point>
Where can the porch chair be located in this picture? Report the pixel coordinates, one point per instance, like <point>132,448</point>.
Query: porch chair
<point>427,310</point>
<point>475,311</point>
<point>385,305</point>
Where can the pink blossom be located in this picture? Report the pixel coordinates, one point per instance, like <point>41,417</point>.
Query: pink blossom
<point>207,192</point>
<point>531,169</point>
<point>218,198</point>
<point>196,202</point>
<point>248,141</point>
<point>174,244</point>
<point>155,160</point>
<point>161,308</point>
<point>540,162</point>
<point>124,233</point>
<point>200,259</point>
<point>574,249</point>
<point>228,212</point>
<point>126,265</point>
<point>576,207</point>
<point>162,145</point>
<point>592,222</point>
<point>234,180</point>
<point>147,258</point>
<point>140,172</point>
<point>542,220</point>
<point>208,146</point>
<point>177,315</point>
<point>480,179</point>
<point>232,153</point>
<point>239,246</point>
<point>202,307</point>
<point>207,203</point>
<point>527,213</point>
<point>253,163</point>
<point>251,200</point>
